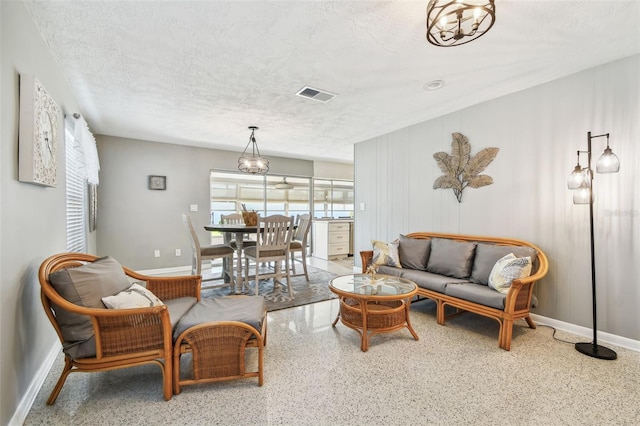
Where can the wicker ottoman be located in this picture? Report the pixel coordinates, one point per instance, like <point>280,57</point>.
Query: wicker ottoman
<point>217,332</point>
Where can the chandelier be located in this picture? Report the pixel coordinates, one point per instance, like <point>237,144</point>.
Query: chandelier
<point>456,22</point>
<point>253,163</point>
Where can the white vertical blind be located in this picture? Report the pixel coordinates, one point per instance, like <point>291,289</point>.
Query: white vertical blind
<point>76,194</point>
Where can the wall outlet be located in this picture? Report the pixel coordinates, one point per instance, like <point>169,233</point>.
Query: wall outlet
<point>178,252</point>
<point>193,207</point>
<point>156,253</point>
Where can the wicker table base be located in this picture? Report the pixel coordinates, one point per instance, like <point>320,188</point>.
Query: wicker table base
<point>374,314</point>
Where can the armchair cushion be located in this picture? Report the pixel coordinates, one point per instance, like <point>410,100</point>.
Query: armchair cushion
<point>247,309</point>
<point>86,285</point>
<point>178,308</point>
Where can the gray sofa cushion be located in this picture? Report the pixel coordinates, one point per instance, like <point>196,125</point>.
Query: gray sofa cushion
<point>247,309</point>
<point>477,293</point>
<point>414,252</point>
<point>451,258</point>
<point>429,280</point>
<point>488,254</point>
<point>85,285</point>
<point>390,270</point>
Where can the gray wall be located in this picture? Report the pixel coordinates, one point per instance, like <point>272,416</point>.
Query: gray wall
<point>133,221</point>
<point>32,218</point>
<point>538,132</point>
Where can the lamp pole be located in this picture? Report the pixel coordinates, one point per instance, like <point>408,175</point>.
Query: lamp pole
<point>592,348</point>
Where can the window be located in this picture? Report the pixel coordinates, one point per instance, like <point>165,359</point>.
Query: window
<point>76,194</point>
<point>231,191</point>
<point>332,198</point>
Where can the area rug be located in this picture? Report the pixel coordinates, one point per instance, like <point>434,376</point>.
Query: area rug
<point>304,292</point>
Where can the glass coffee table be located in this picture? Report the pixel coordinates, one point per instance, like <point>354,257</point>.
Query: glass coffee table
<point>374,305</point>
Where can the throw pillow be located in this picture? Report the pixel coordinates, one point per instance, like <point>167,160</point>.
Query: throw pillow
<point>488,254</point>
<point>414,252</point>
<point>451,258</point>
<point>386,254</point>
<point>507,269</point>
<point>135,296</point>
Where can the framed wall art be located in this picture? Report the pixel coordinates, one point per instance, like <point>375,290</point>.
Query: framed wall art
<point>39,134</point>
<point>157,182</point>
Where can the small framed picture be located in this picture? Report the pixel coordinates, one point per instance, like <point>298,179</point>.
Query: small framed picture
<point>158,182</point>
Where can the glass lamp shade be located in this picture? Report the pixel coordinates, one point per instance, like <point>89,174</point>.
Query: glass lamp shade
<point>253,165</point>
<point>577,178</point>
<point>582,195</point>
<point>608,162</point>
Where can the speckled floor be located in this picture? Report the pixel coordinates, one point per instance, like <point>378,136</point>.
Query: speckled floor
<point>317,375</point>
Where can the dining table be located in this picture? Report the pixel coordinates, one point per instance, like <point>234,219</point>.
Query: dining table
<point>240,230</point>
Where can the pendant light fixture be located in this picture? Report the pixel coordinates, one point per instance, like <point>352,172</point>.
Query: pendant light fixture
<point>456,22</point>
<point>253,162</point>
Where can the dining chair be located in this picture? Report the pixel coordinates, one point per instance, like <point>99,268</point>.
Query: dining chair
<point>211,252</point>
<point>272,245</point>
<point>235,219</point>
<point>299,244</point>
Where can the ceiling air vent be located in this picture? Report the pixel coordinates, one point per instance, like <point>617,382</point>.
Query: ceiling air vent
<point>315,94</point>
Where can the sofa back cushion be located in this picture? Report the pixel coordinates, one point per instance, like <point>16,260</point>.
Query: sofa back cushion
<point>488,254</point>
<point>414,252</point>
<point>451,258</point>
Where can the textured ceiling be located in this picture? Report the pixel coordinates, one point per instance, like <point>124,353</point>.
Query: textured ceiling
<point>199,72</point>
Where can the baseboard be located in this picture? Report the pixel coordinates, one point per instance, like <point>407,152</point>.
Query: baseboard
<point>166,271</point>
<point>612,339</point>
<point>29,397</point>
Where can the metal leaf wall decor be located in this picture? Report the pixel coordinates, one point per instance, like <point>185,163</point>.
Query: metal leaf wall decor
<point>460,169</point>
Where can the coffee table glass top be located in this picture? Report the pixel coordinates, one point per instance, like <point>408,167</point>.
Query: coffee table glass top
<point>382,285</point>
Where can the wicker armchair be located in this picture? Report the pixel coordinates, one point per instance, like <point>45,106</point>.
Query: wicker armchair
<point>123,337</point>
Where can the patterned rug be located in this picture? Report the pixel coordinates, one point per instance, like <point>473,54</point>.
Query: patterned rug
<point>315,290</point>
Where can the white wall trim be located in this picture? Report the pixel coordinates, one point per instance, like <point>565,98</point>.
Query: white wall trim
<point>603,337</point>
<point>20,415</point>
<point>165,271</point>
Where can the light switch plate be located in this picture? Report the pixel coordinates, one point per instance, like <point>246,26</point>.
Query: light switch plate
<point>193,207</point>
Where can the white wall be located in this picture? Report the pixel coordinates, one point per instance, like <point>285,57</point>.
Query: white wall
<point>538,132</point>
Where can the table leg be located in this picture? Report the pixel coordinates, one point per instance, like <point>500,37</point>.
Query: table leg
<point>239,244</point>
<point>337,316</point>
<point>413,333</point>
<point>365,335</point>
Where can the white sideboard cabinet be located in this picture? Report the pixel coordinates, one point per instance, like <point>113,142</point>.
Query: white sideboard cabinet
<point>331,238</point>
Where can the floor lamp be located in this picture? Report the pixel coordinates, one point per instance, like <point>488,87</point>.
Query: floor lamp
<point>581,182</point>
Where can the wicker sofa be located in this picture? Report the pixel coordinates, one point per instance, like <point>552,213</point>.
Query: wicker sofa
<point>454,270</point>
